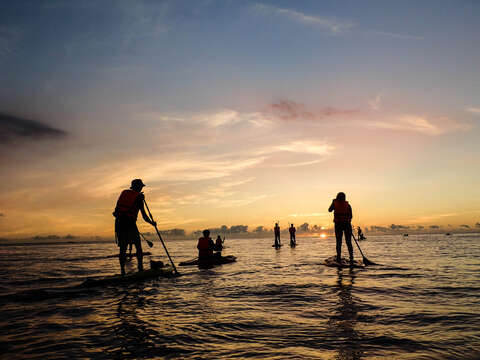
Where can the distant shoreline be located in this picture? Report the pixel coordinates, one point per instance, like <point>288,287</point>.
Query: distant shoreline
<point>99,240</point>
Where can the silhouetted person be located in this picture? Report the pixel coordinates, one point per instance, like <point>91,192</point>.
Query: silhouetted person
<point>126,213</point>
<point>293,240</point>
<point>205,246</point>
<point>219,245</point>
<point>360,234</point>
<point>342,217</point>
<point>276,231</point>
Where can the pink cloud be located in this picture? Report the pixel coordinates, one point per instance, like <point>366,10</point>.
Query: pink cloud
<point>293,111</point>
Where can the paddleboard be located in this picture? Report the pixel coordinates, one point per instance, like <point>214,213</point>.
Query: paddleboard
<point>344,263</point>
<point>277,246</point>
<point>166,271</point>
<point>211,262</point>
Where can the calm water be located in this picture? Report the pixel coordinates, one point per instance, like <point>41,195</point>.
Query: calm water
<point>422,303</point>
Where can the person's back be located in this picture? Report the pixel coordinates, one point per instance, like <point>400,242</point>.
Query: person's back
<point>342,217</point>
<point>205,246</point>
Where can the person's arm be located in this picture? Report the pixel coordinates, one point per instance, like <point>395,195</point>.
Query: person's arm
<point>147,219</point>
<point>332,206</point>
<point>351,214</point>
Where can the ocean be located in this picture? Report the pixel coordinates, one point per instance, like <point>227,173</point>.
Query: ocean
<point>421,302</point>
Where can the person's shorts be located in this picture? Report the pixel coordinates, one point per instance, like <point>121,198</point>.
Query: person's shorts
<point>127,232</point>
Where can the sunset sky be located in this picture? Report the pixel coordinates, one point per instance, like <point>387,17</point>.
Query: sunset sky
<point>238,112</point>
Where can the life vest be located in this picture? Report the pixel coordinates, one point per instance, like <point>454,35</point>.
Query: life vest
<point>341,211</point>
<point>204,248</point>
<point>126,204</point>
<point>292,230</point>
<point>218,243</point>
<point>277,230</point>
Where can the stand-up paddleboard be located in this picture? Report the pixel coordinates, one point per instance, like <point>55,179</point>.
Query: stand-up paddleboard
<point>214,260</point>
<point>344,263</point>
<point>166,271</point>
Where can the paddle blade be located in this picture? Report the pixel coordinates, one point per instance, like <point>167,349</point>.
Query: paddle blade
<point>368,262</point>
<point>150,244</point>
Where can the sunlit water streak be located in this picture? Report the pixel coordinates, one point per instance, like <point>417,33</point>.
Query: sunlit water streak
<point>422,303</point>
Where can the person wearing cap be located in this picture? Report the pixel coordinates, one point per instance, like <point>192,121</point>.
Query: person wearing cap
<point>126,213</point>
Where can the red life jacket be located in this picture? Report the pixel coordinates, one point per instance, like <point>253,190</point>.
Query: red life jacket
<point>341,211</point>
<point>126,204</point>
<point>204,248</point>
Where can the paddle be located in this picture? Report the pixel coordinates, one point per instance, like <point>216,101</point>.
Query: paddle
<point>365,260</point>
<point>150,244</point>
<point>160,237</point>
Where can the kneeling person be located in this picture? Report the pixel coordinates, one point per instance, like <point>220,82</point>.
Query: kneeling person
<point>205,247</point>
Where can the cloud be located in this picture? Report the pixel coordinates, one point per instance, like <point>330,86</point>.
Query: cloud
<point>474,110</point>
<point>375,103</point>
<point>397,36</point>
<point>304,163</point>
<point>420,124</point>
<point>309,215</point>
<point>307,147</point>
<point>434,227</point>
<point>331,25</point>
<point>14,128</point>
<point>294,111</point>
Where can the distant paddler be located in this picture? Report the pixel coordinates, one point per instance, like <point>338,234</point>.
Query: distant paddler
<point>276,231</point>
<point>126,213</point>
<point>342,217</point>
<point>292,231</point>
<point>360,234</point>
<point>219,245</point>
<point>205,247</point>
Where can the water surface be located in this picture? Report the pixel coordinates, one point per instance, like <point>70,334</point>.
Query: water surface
<point>421,303</point>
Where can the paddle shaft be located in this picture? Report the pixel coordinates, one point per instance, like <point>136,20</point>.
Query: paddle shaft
<point>358,245</point>
<point>160,237</point>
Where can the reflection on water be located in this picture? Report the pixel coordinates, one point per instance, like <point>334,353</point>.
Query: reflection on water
<point>342,322</point>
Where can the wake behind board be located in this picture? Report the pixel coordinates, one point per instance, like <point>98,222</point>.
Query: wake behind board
<point>166,271</point>
<point>344,263</point>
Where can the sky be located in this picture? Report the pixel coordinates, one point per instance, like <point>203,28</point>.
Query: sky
<point>238,112</point>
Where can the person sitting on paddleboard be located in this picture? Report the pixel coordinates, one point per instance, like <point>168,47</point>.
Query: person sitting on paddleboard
<point>342,217</point>
<point>276,231</point>
<point>293,240</point>
<point>218,245</point>
<point>126,213</point>
<point>205,246</point>
<point>360,233</point>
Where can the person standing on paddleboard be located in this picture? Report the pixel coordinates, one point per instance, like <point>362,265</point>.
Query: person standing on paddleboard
<point>293,240</point>
<point>126,213</point>
<point>276,231</point>
<point>342,217</point>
